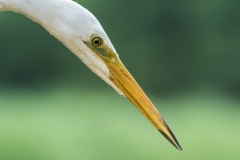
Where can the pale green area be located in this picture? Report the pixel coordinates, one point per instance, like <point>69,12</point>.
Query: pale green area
<point>73,124</point>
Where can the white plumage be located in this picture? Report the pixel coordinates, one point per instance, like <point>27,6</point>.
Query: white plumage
<point>81,33</point>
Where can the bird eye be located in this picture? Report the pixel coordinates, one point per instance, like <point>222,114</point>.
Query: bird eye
<point>97,41</point>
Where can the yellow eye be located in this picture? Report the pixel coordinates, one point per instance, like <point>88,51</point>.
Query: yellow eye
<point>96,41</point>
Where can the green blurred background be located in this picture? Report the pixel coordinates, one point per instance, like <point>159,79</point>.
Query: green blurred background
<point>184,54</point>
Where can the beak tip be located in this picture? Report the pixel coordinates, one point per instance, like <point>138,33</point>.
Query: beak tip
<point>179,148</point>
<point>172,139</point>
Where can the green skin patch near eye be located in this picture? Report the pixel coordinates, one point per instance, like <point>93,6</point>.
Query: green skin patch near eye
<point>103,50</point>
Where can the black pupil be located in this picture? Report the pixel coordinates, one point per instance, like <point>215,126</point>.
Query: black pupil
<point>97,42</point>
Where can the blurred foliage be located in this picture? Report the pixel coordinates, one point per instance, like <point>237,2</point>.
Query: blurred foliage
<point>56,124</point>
<point>168,46</point>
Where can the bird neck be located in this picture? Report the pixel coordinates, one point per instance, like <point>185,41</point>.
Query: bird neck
<point>48,13</point>
<point>59,17</point>
<point>24,5</point>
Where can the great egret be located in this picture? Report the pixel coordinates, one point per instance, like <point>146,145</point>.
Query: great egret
<point>81,33</point>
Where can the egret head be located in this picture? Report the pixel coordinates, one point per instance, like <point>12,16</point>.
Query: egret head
<point>92,45</point>
<point>85,37</point>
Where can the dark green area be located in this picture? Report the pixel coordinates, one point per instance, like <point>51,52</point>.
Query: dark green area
<point>169,46</point>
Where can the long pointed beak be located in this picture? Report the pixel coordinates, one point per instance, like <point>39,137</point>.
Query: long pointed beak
<point>120,76</point>
<point>127,84</point>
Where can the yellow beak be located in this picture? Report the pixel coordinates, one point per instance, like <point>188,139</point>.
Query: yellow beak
<point>120,76</point>
<point>127,84</point>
